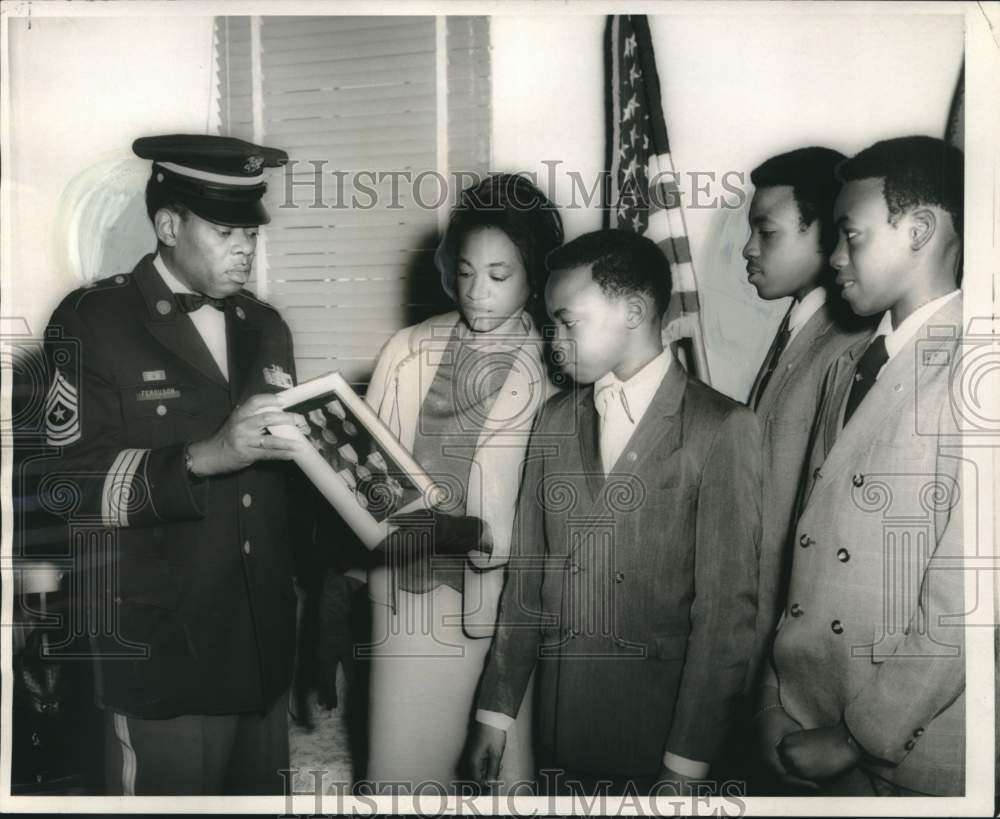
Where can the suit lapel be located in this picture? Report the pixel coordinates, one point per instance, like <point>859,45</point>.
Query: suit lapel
<point>590,443</point>
<point>798,350</point>
<point>657,435</point>
<point>170,327</point>
<point>242,344</point>
<point>658,432</point>
<point>761,370</point>
<point>896,385</point>
<point>755,389</point>
<point>840,384</point>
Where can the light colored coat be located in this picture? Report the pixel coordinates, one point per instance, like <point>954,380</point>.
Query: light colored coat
<point>872,632</point>
<point>397,390</point>
<point>429,652</point>
<point>786,413</point>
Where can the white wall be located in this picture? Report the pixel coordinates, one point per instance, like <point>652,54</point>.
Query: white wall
<point>81,89</point>
<point>737,88</point>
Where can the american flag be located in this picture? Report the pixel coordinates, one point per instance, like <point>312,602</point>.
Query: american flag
<point>639,151</point>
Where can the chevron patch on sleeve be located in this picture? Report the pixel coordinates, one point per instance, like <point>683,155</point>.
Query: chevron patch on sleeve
<point>62,412</point>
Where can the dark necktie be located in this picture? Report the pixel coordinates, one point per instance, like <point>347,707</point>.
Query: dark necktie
<point>189,302</point>
<point>772,362</point>
<point>865,373</point>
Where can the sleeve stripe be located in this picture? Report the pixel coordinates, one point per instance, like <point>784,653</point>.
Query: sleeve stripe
<point>148,485</point>
<point>118,487</point>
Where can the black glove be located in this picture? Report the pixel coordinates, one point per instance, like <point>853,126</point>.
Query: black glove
<point>452,535</point>
<point>428,549</point>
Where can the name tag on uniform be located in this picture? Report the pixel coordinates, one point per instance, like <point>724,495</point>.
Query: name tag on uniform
<point>154,375</point>
<point>161,394</point>
<point>277,377</point>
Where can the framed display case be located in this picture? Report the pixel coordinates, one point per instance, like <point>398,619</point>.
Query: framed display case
<point>352,457</point>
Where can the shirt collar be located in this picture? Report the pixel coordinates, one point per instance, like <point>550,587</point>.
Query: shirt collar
<point>174,284</point>
<point>804,310</point>
<point>896,339</point>
<point>641,387</point>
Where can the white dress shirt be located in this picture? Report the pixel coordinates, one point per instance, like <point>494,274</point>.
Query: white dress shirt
<point>209,322</point>
<point>621,406</point>
<point>802,311</point>
<point>896,339</point>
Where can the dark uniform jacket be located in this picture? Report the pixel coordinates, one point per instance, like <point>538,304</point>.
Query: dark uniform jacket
<point>186,584</point>
<point>634,594</point>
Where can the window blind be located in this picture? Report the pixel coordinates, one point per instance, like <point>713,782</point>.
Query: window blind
<point>350,261</point>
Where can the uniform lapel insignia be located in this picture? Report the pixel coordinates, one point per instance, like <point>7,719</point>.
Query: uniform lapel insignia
<point>62,412</point>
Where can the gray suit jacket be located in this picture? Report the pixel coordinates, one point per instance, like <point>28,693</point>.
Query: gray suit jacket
<point>786,412</point>
<point>873,630</point>
<point>633,595</point>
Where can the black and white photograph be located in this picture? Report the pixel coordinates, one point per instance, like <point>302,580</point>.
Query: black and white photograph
<point>490,408</point>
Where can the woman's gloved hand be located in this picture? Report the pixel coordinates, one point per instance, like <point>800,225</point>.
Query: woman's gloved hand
<point>434,532</point>
<point>427,549</point>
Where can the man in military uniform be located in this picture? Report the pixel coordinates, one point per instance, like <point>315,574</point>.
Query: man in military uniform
<point>161,420</point>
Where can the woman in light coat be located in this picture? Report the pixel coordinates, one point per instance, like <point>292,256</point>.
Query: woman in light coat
<point>461,391</point>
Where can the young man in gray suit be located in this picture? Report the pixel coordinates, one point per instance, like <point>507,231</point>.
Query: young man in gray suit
<point>865,694</point>
<point>631,589</point>
<point>791,237</point>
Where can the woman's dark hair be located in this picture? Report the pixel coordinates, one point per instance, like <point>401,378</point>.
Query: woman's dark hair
<point>511,203</point>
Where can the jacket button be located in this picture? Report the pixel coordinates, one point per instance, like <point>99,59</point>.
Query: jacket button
<point>118,599</point>
<point>247,500</point>
<point>796,610</point>
<point>837,627</point>
<point>574,568</point>
<point>632,455</point>
<point>805,541</point>
<point>919,732</point>
<point>843,555</point>
<point>163,307</point>
<point>619,577</point>
<point>240,314</point>
<point>910,745</point>
<point>161,409</point>
<point>858,479</point>
<point>246,547</point>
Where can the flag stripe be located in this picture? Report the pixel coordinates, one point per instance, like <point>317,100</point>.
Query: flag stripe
<point>615,102</point>
<point>644,193</point>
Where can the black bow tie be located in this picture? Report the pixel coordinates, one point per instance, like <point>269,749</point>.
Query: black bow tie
<point>189,302</point>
